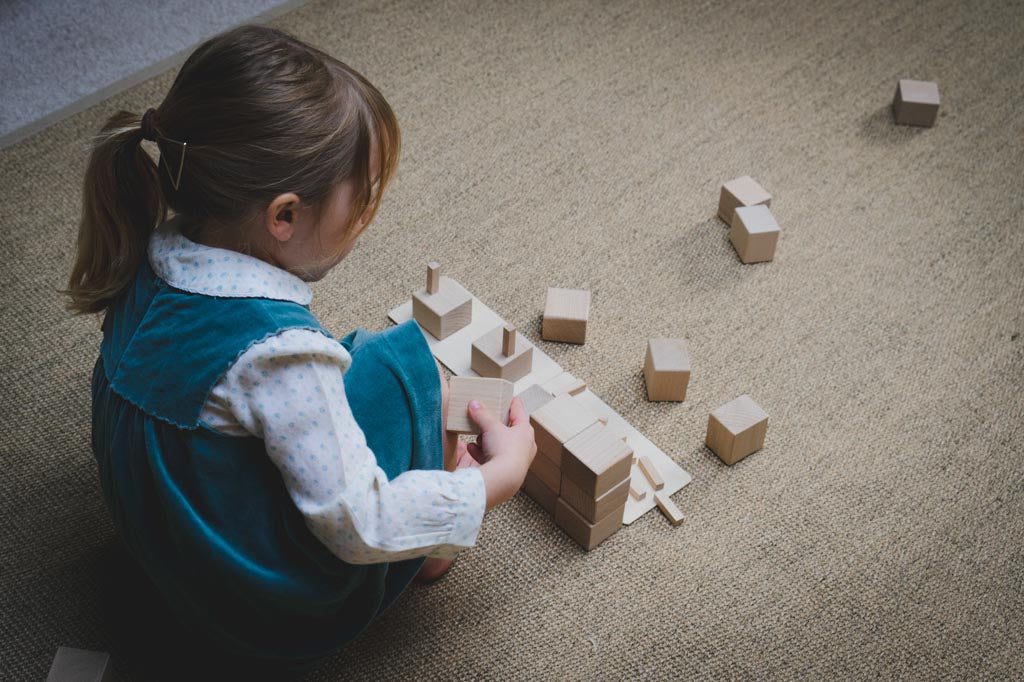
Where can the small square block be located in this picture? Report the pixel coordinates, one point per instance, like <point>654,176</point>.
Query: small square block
<point>736,429</point>
<point>557,422</point>
<point>754,233</point>
<point>590,508</point>
<point>916,103</point>
<point>534,398</point>
<point>566,312</point>
<point>666,369</point>
<point>488,360</point>
<point>79,665</point>
<point>588,535</point>
<point>596,460</point>
<point>496,394</point>
<point>541,494</point>
<point>743,191</point>
<point>445,312</point>
<point>565,383</point>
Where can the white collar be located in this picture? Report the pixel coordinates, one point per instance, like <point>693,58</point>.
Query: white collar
<point>202,269</point>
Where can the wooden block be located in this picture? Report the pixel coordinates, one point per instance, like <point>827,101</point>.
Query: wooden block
<point>566,312</point>
<point>79,665</point>
<point>547,471</point>
<point>588,535</point>
<point>590,508</point>
<point>596,460</point>
<point>651,472</point>
<point>635,492</point>
<point>444,311</point>
<point>565,383</point>
<point>488,359</point>
<point>556,423</point>
<point>737,429</point>
<point>742,191</point>
<point>496,394</point>
<point>666,369</point>
<point>916,103</point>
<point>754,233</point>
<point>541,494</point>
<point>668,508</point>
<point>534,398</point>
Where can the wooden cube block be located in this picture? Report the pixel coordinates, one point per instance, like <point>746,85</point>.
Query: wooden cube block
<point>496,394</point>
<point>489,358</point>
<point>754,233</point>
<point>668,508</point>
<point>547,471</point>
<point>742,191</point>
<point>565,315</point>
<point>737,429</point>
<point>443,307</point>
<point>590,508</point>
<point>541,494</point>
<point>666,369</point>
<point>557,422</point>
<point>596,460</point>
<point>534,398</point>
<point>79,665</point>
<point>588,535</point>
<point>565,383</point>
<point>916,103</point>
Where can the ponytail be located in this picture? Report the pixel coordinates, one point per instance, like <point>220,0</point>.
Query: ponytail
<point>121,205</point>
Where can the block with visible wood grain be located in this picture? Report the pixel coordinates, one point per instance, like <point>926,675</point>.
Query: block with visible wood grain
<point>742,191</point>
<point>443,306</point>
<point>596,460</point>
<point>541,494</point>
<point>588,535</point>
<point>565,383</point>
<point>502,353</point>
<point>496,394</point>
<point>566,312</point>
<point>650,472</point>
<point>547,471</point>
<point>557,422</point>
<point>589,507</point>
<point>916,103</point>
<point>668,508</point>
<point>754,234</point>
<point>666,369</point>
<point>736,429</point>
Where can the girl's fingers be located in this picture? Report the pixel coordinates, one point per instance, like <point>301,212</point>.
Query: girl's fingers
<point>517,413</point>
<point>476,452</point>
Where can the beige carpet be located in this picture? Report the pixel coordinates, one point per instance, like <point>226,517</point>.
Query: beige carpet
<point>879,533</point>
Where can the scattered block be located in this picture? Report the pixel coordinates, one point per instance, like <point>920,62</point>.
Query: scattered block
<point>635,492</point>
<point>502,353</point>
<point>737,429</point>
<point>565,315</point>
<point>548,472</point>
<point>79,665</point>
<point>443,307</point>
<point>754,233</point>
<point>668,508</point>
<point>916,103</point>
<point>666,369</point>
<point>496,394</point>
<point>596,460</point>
<point>541,494</point>
<point>588,535</point>
<point>651,472</point>
<point>593,508</point>
<point>534,398</point>
<point>742,191</point>
<point>556,423</point>
<point>565,383</point>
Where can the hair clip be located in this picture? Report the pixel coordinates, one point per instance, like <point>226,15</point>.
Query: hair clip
<point>175,179</point>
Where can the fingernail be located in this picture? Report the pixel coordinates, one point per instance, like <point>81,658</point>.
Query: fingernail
<point>474,404</point>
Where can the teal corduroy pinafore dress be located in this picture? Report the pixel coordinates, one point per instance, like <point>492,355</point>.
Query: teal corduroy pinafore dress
<point>207,515</point>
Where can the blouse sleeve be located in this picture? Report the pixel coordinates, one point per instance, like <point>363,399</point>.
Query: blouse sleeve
<point>288,390</point>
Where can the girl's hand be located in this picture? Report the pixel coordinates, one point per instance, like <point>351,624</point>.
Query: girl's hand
<point>504,452</point>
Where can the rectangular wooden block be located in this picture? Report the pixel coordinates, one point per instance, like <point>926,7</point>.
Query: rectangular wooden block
<point>557,422</point>
<point>548,472</point>
<point>445,312</point>
<point>565,383</point>
<point>916,103</point>
<point>596,460</point>
<point>541,494</point>
<point>651,472</point>
<point>534,398</point>
<point>588,535</point>
<point>79,665</point>
<point>754,233</point>
<point>496,394</point>
<point>636,492</point>
<point>743,191</point>
<point>566,312</point>
<point>668,508</point>
<point>666,369</point>
<point>737,429</point>
<point>489,360</point>
<point>590,508</point>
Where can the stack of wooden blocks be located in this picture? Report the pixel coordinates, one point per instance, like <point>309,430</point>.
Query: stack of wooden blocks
<point>581,471</point>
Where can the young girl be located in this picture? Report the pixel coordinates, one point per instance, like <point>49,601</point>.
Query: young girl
<point>279,487</point>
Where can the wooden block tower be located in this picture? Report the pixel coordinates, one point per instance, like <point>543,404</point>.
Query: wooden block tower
<point>566,312</point>
<point>754,233</point>
<point>737,429</point>
<point>666,369</point>
<point>443,307</point>
<point>502,353</point>
<point>743,191</point>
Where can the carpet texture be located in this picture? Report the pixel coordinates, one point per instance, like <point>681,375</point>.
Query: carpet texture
<point>581,144</point>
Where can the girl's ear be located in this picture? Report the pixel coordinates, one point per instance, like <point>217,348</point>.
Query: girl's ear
<point>280,216</point>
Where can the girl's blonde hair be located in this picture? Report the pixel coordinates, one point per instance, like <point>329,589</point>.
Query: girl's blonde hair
<point>260,113</point>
